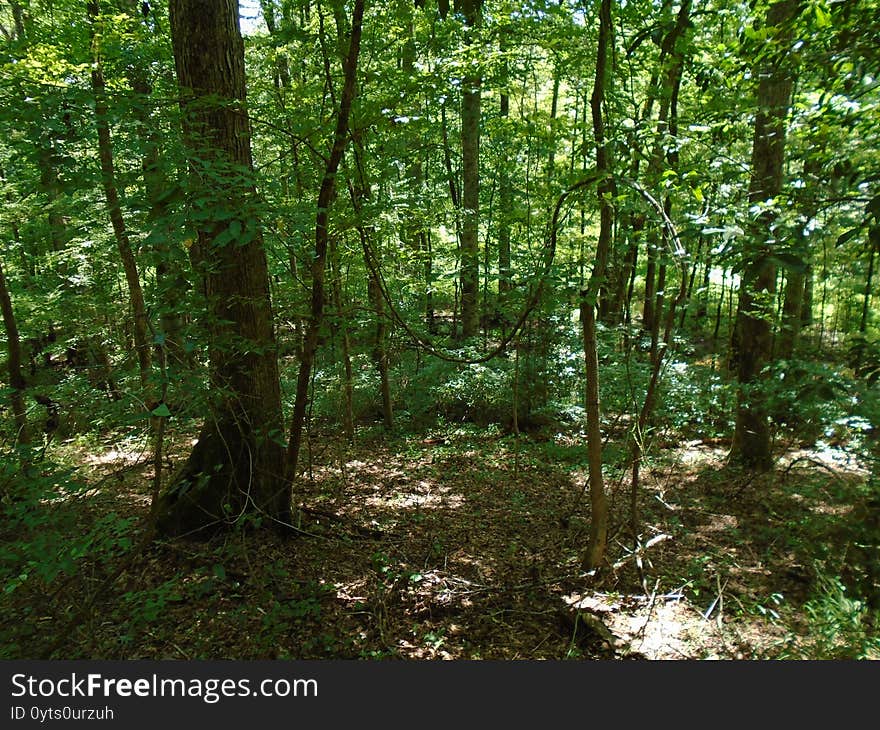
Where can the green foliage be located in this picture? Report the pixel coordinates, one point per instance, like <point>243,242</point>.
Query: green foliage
<point>840,627</point>
<point>396,196</point>
<point>696,400</point>
<point>43,544</point>
<point>863,356</point>
<point>806,397</point>
<point>479,393</point>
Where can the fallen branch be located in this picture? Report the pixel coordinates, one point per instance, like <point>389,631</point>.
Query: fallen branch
<point>640,550</point>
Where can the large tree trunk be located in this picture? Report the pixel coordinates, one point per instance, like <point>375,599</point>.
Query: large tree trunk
<point>751,439</point>
<point>470,198</point>
<point>236,467</point>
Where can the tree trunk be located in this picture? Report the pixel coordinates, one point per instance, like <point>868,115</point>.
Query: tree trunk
<point>340,326</point>
<point>359,194</point>
<point>792,314</point>
<point>114,208</point>
<point>751,439</point>
<point>470,198</point>
<point>380,352</point>
<point>325,196</point>
<point>505,202</point>
<point>869,281</point>
<point>807,308</point>
<point>16,379</point>
<point>236,468</point>
<point>599,508</point>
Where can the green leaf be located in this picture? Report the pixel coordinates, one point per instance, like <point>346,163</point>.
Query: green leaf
<point>161,411</point>
<point>848,236</point>
<point>222,238</point>
<point>823,17</point>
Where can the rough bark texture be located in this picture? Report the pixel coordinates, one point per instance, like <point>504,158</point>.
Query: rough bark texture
<point>751,439</point>
<point>236,466</point>
<point>470,197</point>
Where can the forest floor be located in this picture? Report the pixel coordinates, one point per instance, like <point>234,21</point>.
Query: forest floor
<point>463,544</point>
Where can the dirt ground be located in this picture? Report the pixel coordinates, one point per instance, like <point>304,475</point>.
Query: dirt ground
<point>457,545</point>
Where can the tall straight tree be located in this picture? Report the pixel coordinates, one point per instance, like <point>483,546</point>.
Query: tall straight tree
<point>595,551</point>
<point>505,190</point>
<point>114,206</point>
<point>751,439</point>
<point>236,466</point>
<point>322,232</point>
<point>472,11</point>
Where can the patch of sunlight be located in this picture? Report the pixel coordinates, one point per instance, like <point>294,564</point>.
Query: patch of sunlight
<point>838,510</point>
<point>659,627</point>
<point>719,523</point>
<point>355,591</point>
<point>834,458</point>
<point>114,456</point>
<point>437,498</point>
<point>697,452</point>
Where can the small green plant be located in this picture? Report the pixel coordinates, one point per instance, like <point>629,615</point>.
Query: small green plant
<point>840,627</point>
<point>146,607</point>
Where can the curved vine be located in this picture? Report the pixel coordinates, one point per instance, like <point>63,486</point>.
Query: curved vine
<point>425,343</point>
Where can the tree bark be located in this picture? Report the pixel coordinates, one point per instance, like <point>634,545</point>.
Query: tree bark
<point>236,467</point>
<point>505,195</point>
<point>752,438</point>
<point>325,196</point>
<point>595,551</point>
<point>470,160</point>
<point>16,379</point>
<point>869,281</point>
<point>114,208</point>
<point>792,314</point>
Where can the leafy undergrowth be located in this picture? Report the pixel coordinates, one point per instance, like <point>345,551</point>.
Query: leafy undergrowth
<point>458,545</point>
